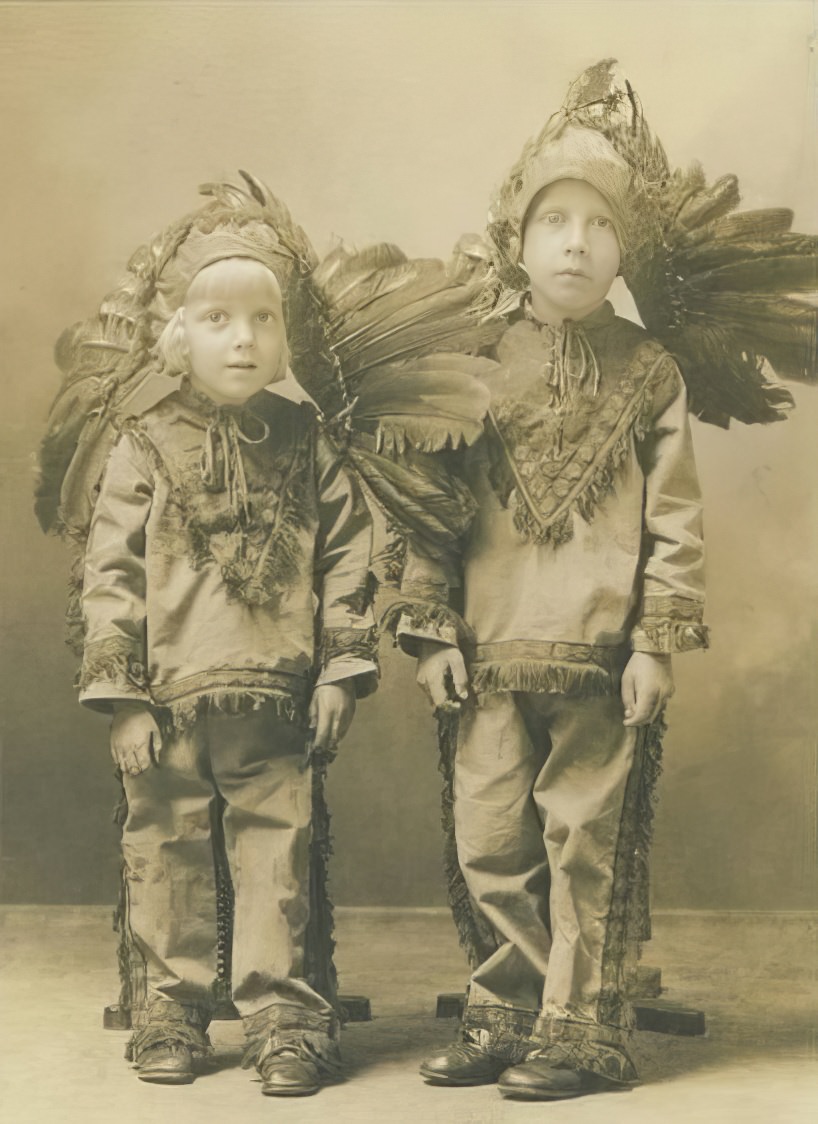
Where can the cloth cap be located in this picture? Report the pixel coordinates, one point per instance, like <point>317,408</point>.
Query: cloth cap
<point>576,153</point>
<point>256,240</point>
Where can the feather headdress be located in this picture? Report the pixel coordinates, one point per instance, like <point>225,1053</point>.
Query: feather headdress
<point>730,294</point>
<point>386,347</point>
<point>109,358</point>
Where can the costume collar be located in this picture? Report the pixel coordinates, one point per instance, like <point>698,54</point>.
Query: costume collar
<point>601,317</point>
<point>228,428</point>
<point>203,405</point>
<point>571,365</point>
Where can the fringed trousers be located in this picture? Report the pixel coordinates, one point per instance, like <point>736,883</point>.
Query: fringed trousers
<point>540,784</point>
<point>255,762</point>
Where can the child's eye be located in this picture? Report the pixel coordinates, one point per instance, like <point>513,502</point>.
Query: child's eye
<point>263,317</point>
<point>215,317</point>
<point>553,217</point>
<point>602,221</point>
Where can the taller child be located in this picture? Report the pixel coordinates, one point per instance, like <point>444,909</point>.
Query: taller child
<point>582,574</point>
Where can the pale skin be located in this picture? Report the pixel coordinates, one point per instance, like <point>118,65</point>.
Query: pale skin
<point>571,255</point>
<point>234,331</point>
<point>136,741</point>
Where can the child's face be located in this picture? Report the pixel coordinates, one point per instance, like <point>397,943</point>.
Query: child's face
<point>234,328</point>
<point>570,250</point>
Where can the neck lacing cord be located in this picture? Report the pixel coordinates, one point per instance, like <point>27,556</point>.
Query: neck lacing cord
<point>570,355</point>
<point>222,465</point>
<point>571,359</point>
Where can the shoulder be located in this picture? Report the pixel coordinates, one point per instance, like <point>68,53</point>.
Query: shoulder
<point>644,358</point>
<point>283,413</point>
<point>635,342</point>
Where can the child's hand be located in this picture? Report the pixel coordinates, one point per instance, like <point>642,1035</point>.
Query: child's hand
<point>135,739</point>
<point>331,711</point>
<point>441,670</point>
<point>647,684</point>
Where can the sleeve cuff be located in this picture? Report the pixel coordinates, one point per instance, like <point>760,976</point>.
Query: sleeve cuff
<point>412,622</point>
<point>112,669</point>
<point>667,637</point>
<point>364,673</point>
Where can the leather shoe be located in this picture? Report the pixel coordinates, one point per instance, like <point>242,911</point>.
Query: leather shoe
<point>166,1063</point>
<point>288,1074</point>
<point>540,1080</point>
<point>462,1064</point>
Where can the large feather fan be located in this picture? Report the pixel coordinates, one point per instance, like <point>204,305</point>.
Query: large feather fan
<point>732,295</point>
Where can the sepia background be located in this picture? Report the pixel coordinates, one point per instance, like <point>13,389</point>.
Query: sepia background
<point>394,121</point>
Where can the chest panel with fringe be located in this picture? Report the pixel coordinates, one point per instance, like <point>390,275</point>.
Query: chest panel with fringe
<point>241,494</point>
<point>565,411</point>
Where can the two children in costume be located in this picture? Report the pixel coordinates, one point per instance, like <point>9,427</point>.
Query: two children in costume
<point>548,627</point>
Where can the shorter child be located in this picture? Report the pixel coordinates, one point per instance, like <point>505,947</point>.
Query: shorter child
<point>224,521</point>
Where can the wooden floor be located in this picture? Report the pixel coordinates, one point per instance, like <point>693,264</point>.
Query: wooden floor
<point>754,974</point>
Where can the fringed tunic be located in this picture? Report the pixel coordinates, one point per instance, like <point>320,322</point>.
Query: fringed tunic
<point>227,561</point>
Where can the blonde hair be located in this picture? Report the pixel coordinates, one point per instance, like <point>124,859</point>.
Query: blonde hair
<point>171,347</point>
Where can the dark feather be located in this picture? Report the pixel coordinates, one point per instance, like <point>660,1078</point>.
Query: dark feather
<point>430,507</point>
<point>709,203</point>
<point>781,274</point>
<point>740,226</point>
<point>723,380</point>
<point>421,326</point>
<point>716,254</point>
<point>421,405</point>
<point>343,270</point>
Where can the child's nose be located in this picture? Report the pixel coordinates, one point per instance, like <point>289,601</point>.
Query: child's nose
<point>577,241</point>
<point>244,334</point>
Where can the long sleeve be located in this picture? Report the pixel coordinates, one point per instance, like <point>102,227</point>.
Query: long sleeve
<point>431,581</point>
<point>672,606</point>
<point>113,600</point>
<point>349,643</point>
<point>423,610</point>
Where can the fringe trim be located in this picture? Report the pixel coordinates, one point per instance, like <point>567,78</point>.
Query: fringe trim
<point>169,1023</point>
<point>604,1060</point>
<point>225,902</point>
<point>112,660</point>
<point>542,677</point>
<point>556,527</point>
<point>361,643</point>
<point>475,934</point>
<point>319,942</point>
<point>284,1028</point>
<point>184,713</point>
<point>503,1032</point>
<point>425,617</point>
<point>559,529</point>
<point>629,915</point>
<point>551,1028</point>
<point>267,559</point>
